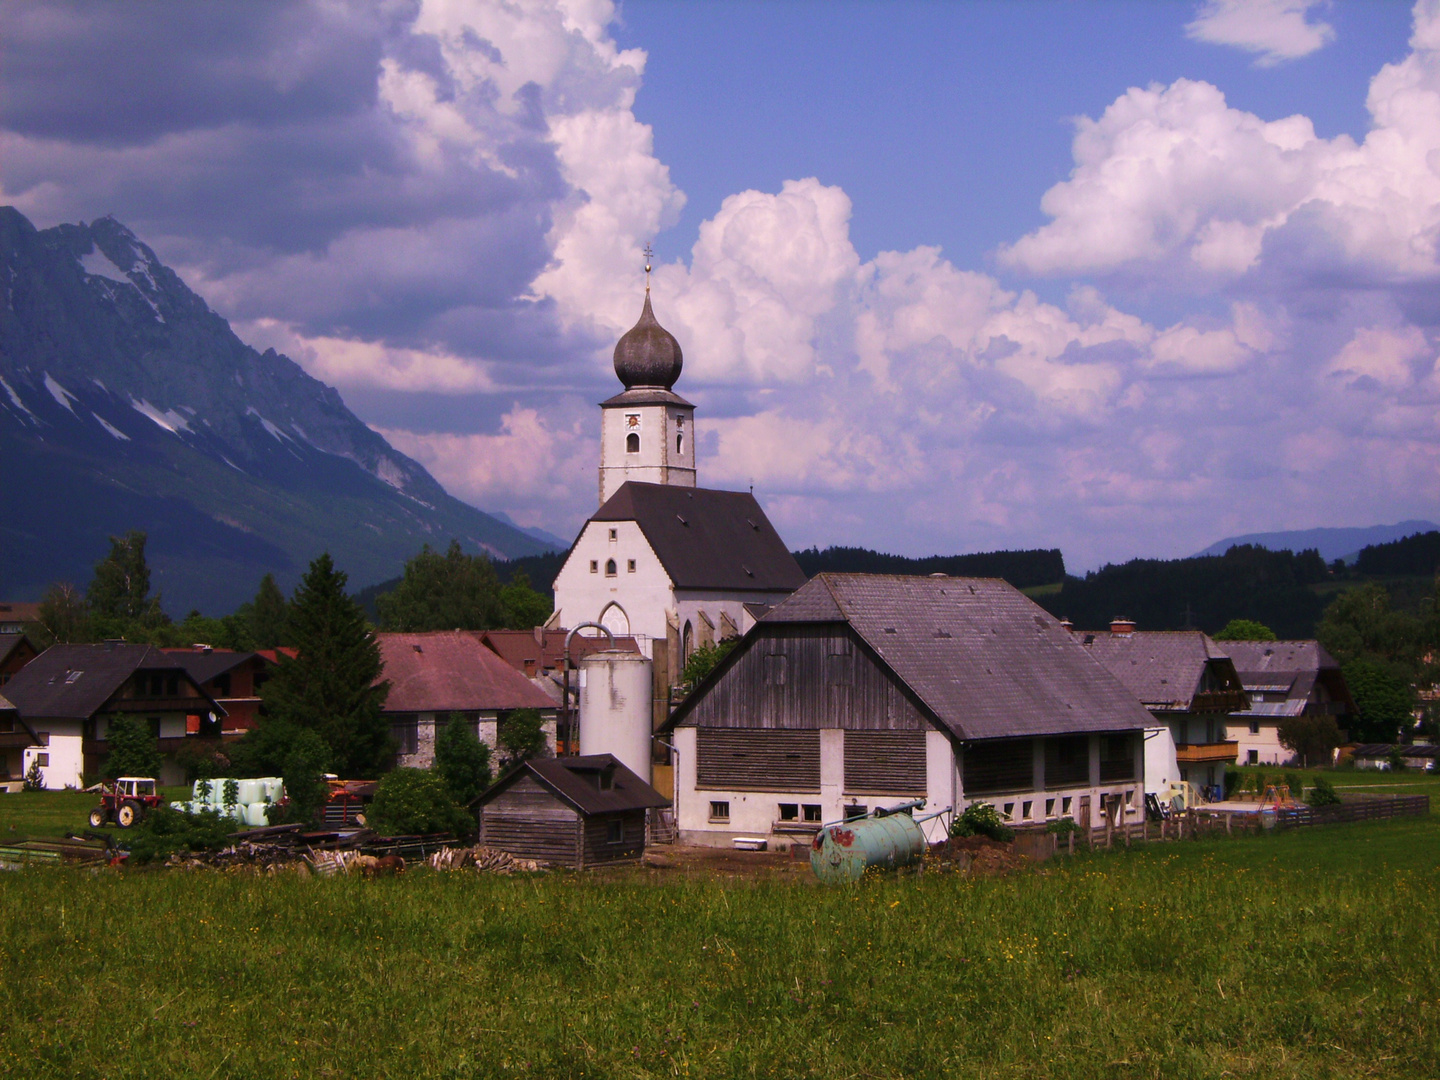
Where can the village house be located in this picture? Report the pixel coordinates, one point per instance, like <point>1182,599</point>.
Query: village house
<point>1188,683</point>
<point>232,678</point>
<point>866,690</point>
<point>15,739</point>
<point>15,617</point>
<point>579,812</point>
<point>434,674</point>
<point>68,694</point>
<point>670,564</point>
<point>1281,679</point>
<point>16,651</point>
<point>538,654</point>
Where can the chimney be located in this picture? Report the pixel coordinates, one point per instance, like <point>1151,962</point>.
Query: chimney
<point>1121,626</point>
<point>1067,625</point>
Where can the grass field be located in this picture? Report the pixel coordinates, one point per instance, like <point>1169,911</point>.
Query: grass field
<point>1308,954</point>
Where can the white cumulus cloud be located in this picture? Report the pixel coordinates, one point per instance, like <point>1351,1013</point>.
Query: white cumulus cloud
<point>1278,30</point>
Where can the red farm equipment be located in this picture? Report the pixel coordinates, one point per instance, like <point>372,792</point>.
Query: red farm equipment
<point>125,801</point>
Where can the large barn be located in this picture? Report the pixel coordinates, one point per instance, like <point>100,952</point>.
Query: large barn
<point>866,690</point>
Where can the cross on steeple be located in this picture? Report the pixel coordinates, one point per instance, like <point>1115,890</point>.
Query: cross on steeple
<point>648,253</point>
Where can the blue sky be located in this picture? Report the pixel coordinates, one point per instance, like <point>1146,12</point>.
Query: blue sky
<point>1121,278</point>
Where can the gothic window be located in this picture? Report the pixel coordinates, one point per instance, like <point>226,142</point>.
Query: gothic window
<point>679,444</point>
<point>609,567</point>
<point>687,642</point>
<point>632,443</point>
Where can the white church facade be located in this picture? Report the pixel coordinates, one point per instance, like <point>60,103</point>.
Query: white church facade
<point>673,565</point>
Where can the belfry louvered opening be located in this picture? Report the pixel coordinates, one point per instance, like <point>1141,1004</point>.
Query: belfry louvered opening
<point>755,759</point>
<point>882,762</point>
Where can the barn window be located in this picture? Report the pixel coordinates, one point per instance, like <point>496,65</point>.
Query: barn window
<point>1067,762</point>
<point>615,831</point>
<point>811,811</point>
<point>757,759</point>
<point>789,811</point>
<point>1001,765</point>
<point>609,567</point>
<point>892,762</point>
<point>406,730</point>
<point>1117,759</point>
<point>632,443</point>
<point>719,810</point>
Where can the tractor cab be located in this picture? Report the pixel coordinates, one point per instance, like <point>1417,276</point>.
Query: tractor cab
<point>125,801</point>
<point>135,787</point>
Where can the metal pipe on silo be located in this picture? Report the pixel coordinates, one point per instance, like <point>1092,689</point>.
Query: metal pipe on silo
<point>615,708</point>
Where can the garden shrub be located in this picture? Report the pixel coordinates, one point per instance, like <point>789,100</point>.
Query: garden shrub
<point>1233,778</point>
<point>411,801</point>
<point>1322,793</point>
<point>1062,826</point>
<point>1296,783</point>
<point>462,760</point>
<point>981,819</point>
<point>522,736</point>
<point>34,779</point>
<point>163,832</point>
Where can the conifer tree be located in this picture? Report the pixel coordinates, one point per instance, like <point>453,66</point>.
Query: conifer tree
<point>332,685</point>
<point>269,614</point>
<point>119,595</point>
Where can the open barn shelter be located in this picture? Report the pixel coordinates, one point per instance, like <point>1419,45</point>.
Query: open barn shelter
<point>579,812</point>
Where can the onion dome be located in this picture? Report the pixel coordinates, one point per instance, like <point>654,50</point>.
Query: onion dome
<point>648,354</point>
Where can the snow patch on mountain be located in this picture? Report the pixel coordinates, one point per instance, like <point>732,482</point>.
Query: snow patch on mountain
<point>391,473</point>
<point>15,399</point>
<point>169,419</point>
<point>97,264</point>
<point>280,436</point>
<point>111,428</point>
<point>62,396</point>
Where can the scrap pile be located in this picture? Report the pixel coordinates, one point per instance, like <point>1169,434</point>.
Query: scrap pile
<point>484,860</point>
<point>977,855</point>
<point>273,848</point>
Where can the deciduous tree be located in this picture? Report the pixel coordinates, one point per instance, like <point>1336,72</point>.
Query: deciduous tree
<point>134,750</point>
<point>1312,738</point>
<point>462,760</point>
<point>454,591</point>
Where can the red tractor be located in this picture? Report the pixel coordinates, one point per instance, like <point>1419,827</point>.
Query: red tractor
<point>125,801</point>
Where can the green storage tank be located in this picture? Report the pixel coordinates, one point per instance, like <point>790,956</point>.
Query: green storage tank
<point>842,853</point>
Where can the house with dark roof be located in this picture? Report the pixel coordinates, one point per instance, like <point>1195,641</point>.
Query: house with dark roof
<point>16,616</point>
<point>16,650</point>
<point>865,690</point>
<point>1187,682</point>
<point>434,674</point>
<point>1283,679</point>
<point>15,739</point>
<point>579,812</point>
<point>68,695</point>
<point>232,678</point>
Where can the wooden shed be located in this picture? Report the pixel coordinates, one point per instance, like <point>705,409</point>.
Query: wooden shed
<point>574,811</point>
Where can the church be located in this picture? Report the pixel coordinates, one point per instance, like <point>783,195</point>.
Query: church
<point>671,564</point>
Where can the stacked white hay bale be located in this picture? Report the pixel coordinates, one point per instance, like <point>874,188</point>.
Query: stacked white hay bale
<point>247,801</point>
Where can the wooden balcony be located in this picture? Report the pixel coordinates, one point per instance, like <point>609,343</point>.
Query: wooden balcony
<point>1206,753</point>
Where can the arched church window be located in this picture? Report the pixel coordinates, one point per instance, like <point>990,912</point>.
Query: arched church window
<point>632,443</point>
<point>687,642</point>
<point>679,444</point>
<point>609,567</point>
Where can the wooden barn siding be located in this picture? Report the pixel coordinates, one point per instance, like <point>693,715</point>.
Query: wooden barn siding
<point>527,820</point>
<point>757,759</point>
<point>597,851</point>
<point>884,762</point>
<point>810,697</point>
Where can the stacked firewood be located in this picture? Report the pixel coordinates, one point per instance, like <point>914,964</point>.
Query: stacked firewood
<point>484,860</point>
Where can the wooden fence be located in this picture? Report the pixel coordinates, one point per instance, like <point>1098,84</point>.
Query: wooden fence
<point>1354,808</point>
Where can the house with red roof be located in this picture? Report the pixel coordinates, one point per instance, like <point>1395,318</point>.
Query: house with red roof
<point>435,674</point>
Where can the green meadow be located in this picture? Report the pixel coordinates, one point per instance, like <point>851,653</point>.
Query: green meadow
<point>1307,954</point>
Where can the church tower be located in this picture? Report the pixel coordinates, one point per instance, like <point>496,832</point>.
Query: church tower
<point>647,431</point>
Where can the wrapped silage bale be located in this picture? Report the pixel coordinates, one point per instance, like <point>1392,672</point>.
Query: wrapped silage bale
<point>274,788</point>
<point>252,791</point>
<point>255,815</point>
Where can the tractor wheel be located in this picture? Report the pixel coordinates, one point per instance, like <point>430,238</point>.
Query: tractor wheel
<point>98,817</point>
<point>128,814</point>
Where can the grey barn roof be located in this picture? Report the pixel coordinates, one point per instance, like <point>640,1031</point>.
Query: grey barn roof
<point>707,539</point>
<point>1163,668</point>
<point>1292,666</point>
<point>983,658</point>
<point>571,779</point>
<point>73,681</point>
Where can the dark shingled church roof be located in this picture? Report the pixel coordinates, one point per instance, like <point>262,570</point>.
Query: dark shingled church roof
<point>984,659</point>
<point>707,539</point>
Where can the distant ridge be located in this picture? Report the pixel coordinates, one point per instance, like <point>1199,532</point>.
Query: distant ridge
<point>1331,543</point>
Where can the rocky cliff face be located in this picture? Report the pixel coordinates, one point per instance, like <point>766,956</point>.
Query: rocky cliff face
<point>125,402</point>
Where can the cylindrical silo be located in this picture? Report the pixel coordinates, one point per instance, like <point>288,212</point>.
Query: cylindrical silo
<point>615,692</point>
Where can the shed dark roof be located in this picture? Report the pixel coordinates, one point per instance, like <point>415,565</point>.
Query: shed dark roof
<point>707,539</point>
<point>9,643</point>
<point>984,659</point>
<point>1163,668</point>
<point>207,665</point>
<point>451,671</point>
<point>74,681</point>
<point>573,779</point>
